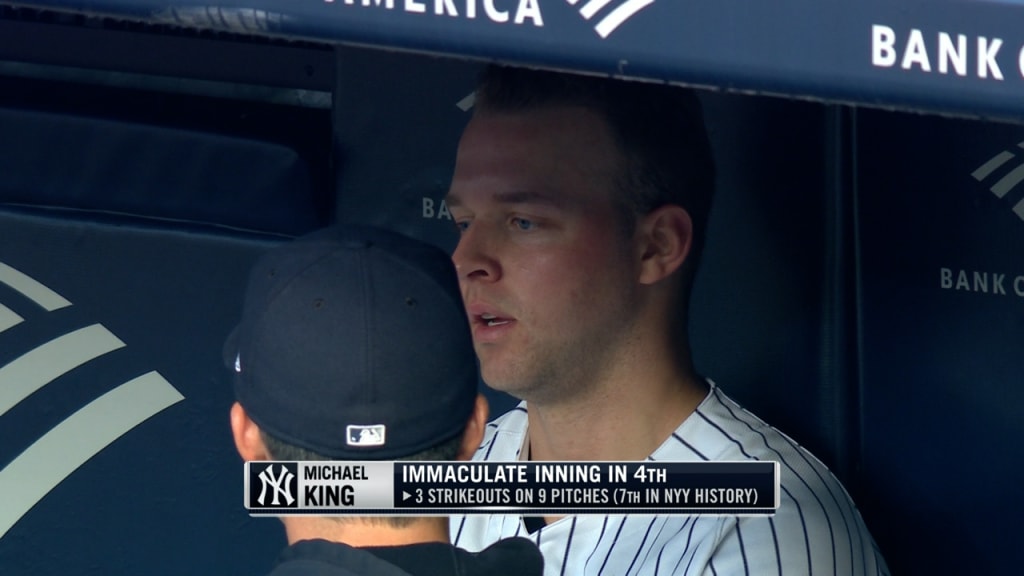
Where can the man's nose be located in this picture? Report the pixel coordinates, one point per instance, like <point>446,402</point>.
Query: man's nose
<point>475,256</point>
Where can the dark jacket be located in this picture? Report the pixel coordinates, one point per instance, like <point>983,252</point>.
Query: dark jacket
<point>512,556</point>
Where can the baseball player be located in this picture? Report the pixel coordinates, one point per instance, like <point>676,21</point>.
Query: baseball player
<point>582,205</point>
<point>353,345</point>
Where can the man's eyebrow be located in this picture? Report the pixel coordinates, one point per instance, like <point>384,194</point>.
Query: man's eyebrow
<point>515,197</point>
<point>528,197</point>
<point>451,200</point>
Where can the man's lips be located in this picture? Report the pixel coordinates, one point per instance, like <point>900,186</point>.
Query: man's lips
<point>488,322</point>
<point>492,320</point>
<point>484,312</point>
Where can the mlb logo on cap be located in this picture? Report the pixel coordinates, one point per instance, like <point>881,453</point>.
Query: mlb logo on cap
<point>366,435</point>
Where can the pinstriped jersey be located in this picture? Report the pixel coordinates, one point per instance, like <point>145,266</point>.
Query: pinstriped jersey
<point>817,529</point>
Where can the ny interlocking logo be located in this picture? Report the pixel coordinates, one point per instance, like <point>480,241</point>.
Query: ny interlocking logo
<point>614,17</point>
<point>273,485</point>
<point>33,473</point>
<point>1005,182</point>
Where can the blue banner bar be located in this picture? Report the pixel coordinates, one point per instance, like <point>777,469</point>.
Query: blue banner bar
<point>956,56</point>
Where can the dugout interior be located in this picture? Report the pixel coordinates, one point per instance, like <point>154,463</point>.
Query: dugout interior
<point>862,290</point>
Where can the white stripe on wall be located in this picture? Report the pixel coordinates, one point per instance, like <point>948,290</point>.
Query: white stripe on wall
<point>45,363</point>
<point>32,289</point>
<point>8,318</point>
<point>68,445</point>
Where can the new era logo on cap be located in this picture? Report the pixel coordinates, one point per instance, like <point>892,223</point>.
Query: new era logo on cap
<point>365,435</point>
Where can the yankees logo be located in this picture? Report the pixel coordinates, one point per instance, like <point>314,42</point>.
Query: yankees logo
<point>280,485</point>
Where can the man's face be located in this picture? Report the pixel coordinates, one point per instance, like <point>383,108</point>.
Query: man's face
<point>547,273</point>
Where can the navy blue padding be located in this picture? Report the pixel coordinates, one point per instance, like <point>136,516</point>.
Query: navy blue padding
<point>759,308</point>
<point>397,125</point>
<point>942,308</point>
<point>50,159</point>
<point>166,497</point>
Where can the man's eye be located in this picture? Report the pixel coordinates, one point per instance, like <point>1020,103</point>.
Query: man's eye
<point>523,223</point>
<point>461,226</point>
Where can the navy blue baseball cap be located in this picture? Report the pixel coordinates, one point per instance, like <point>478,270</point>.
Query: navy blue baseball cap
<point>354,343</point>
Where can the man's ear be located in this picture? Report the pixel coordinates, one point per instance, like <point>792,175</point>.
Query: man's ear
<point>474,433</point>
<point>247,435</point>
<point>665,236</point>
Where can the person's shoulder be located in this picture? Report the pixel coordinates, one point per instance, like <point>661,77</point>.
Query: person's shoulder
<point>754,439</point>
<point>517,546</point>
<point>318,557</point>
<point>721,429</point>
<point>312,568</point>
<point>726,431</point>
<point>513,556</point>
<point>817,524</point>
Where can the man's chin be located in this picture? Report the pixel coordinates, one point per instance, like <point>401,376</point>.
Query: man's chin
<point>500,381</point>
